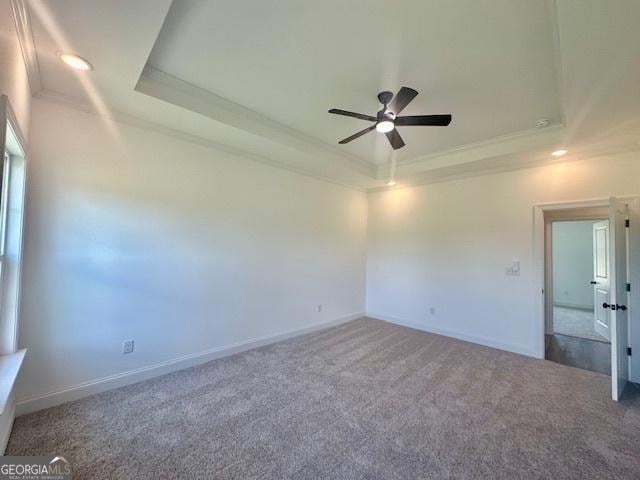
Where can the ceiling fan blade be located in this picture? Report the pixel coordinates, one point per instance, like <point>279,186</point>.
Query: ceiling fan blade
<point>429,120</point>
<point>361,116</point>
<point>356,135</point>
<point>401,100</point>
<point>395,139</point>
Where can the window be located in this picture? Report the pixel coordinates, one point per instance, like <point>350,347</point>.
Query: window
<point>4,199</point>
<point>12,188</point>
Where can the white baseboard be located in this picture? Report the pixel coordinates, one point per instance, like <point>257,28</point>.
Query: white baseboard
<point>92,387</point>
<point>576,306</point>
<point>487,342</point>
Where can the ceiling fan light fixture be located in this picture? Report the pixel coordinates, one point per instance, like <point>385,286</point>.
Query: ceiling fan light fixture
<point>385,126</point>
<point>387,118</point>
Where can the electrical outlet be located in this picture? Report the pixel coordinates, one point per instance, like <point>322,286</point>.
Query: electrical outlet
<point>127,346</point>
<point>432,311</point>
<point>319,308</point>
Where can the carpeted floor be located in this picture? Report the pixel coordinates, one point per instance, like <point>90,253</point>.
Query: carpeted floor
<point>575,322</point>
<point>365,400</point>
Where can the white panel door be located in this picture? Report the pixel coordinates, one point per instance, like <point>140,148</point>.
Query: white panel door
<point>601,282</point>
<point>618,326</point>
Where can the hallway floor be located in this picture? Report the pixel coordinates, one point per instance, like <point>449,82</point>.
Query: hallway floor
<point>579,352</point>
<point>575,322</point>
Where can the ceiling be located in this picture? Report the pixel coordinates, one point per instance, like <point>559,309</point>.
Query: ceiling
<point>292,61</point>
<point>256,78</point>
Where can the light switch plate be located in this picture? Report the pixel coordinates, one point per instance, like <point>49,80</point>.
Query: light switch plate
<point>127,346</point>
<point>513,270</point>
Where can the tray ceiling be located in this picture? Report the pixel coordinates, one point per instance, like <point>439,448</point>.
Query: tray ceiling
<point>256,78</point>
<point>491,64</point>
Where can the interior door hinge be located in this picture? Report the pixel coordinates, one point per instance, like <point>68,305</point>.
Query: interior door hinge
<point>628,287</point>
<point>626,223</point>
<point>629,351</point>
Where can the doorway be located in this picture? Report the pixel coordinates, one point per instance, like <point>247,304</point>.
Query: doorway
<point>615,269</point>
<point>579,269</point>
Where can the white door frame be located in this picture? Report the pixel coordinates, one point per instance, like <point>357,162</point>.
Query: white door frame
<point>539,291</point>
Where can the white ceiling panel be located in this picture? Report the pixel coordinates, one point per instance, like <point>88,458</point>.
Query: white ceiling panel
<point>491,63</point>
<point>257,77</point>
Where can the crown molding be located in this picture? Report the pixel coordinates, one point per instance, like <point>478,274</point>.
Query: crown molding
<point>507,163</point>
<point>22,19</point>
<point>134,121</point>
<point>166,87</point>
<point>514,143</point>
<point>552,6</point>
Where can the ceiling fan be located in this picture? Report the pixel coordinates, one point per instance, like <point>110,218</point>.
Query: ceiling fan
<point>387,118</point>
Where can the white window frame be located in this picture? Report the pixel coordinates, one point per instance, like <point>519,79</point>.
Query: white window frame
<point>4,201</point>
<point>11,226</point>
<point>11,240</point>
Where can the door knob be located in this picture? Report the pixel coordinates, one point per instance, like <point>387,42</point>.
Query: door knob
<point>593,282</point>
<point>614,306</point>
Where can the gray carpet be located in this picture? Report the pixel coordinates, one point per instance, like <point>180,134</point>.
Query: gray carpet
<point>575,322</point>
<point>365,400</point>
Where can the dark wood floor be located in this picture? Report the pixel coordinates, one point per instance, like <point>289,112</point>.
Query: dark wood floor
<point>579,352</point>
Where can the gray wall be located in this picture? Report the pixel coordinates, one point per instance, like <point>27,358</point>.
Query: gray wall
<point>573,264</point>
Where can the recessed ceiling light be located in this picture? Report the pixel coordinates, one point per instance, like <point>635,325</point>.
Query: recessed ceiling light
<point>559,153</point>
<point>391,183</point>
<point>384,126</point>
<point>75,62</point>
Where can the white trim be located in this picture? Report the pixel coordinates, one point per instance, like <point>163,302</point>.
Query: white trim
<point>22,20</point>
<point>633,264</point>
<point>574,306</point>
<point>12,139</point>
<point>18,294</point>
<point>557,49</point>
<point>17,145</point>
<point>510,143</point>
<point>491,166</point>
<point>487,342</point>
<point>117,380</point>
<point>9,369</point>
<point>174,90</point>
<point>6,425</point>
<point>539,265</point>
<point>138,122</point>
<point>473,169</point>
<point>539,256</point>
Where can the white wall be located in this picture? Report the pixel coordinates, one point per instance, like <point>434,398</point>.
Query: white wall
<point>135,235</point>
<point>445,246</point>
<point>13,74</point>
<point>573,263</point>
<point>15,84</point>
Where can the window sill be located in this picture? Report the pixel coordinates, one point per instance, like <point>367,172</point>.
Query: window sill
<point>9,368</point>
